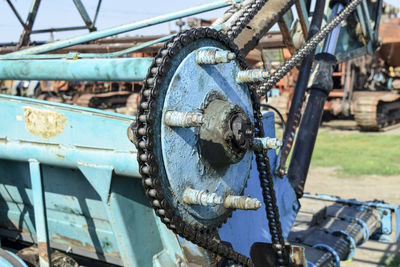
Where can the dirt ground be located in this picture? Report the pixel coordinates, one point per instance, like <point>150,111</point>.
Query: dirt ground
<point>326,181</point>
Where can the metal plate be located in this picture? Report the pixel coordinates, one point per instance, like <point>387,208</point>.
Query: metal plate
<point>189,89</point>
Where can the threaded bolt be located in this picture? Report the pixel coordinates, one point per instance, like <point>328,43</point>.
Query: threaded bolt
<point>204,198</point>
<point>201,197</point>
<point>214,56</point>
<point>183,119</point>
<point>241,202</point>
<point>266,143</point>
<point>249,76</point>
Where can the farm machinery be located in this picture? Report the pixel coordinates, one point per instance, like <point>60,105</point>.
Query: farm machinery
<point>194,177</point>
<point>365,88</point>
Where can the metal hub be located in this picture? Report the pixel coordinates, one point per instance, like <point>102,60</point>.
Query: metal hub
<point>225,133</point>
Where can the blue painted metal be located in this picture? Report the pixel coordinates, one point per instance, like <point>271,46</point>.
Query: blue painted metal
<point>350,240</point>
<point>235,232</point>
<point>190,87</point>
<point>69,148</point>
<point>124,28</point>
<point>325,247</point>
<point>390,216</point>
<point>5,263</point>
<point>95,202</point>
<point>119,69</point>
<point>39,204</point>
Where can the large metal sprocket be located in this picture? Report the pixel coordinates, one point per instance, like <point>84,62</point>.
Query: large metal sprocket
<point>148,140</point>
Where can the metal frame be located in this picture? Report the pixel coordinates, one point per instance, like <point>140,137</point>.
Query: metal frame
<point>28,25</point>
<point>103,174</point>
<point>60,69</point>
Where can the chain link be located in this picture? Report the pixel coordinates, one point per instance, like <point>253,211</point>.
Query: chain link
<point>148,165</point>
<point>308,47</point>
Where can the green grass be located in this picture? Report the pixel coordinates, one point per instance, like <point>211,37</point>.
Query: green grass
<point>358,154</point>
<point>393,261</point>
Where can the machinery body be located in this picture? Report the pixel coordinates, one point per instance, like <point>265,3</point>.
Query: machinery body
<point>192,173</point>
<point>366,83</point>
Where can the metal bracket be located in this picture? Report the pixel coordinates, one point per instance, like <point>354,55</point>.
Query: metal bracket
<point>99,177</point>
<point>39,207</point>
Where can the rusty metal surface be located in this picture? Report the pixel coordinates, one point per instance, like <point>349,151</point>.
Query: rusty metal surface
<point>103,100</point>
<point>390,37</point>
<point>90,48</point>
<point>287,37</point>
<point>365,108</point>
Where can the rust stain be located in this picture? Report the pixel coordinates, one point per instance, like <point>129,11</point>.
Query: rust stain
<point>79,244</point>
<point>60,156</point>
<point>69,240</point>
<point>44,123</point>
<point>43,254</point>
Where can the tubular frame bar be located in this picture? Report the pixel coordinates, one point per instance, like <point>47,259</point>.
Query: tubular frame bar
<point>117,69</point>
<point>123,28</point>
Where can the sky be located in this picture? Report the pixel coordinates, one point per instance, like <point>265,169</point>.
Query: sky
<point>62,13</point>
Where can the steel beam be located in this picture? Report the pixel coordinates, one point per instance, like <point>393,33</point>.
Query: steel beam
<point>97,12</point>
<point>25,36</point>
<point>85,16</point>
<point>118,69</point>
<point>125,28</point>
<point>59,29</point>
<point>303,17</point>
<point>16,14</point>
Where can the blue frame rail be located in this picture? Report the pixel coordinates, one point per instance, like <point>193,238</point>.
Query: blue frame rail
<point>69,180</point>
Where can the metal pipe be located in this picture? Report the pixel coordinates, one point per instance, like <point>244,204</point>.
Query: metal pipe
<point>85,16</point>
<point>331,41</point>
<point>16,14</point>
<point>293,119</point>
<point>305,141</point>
<point>124,28</point>
<point>118,69</point>
<point>307,134</point>
<point>60,29</point>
